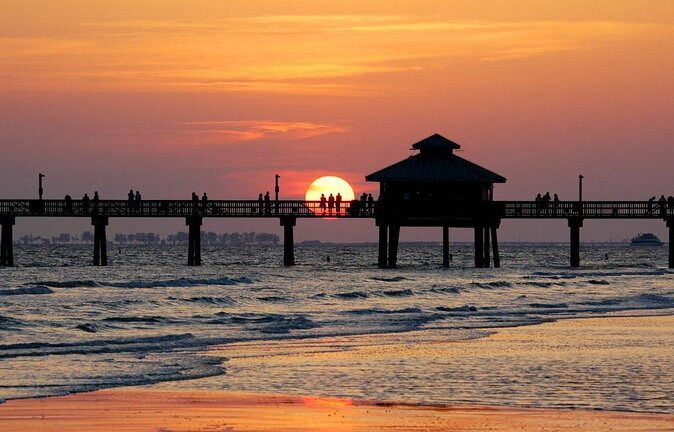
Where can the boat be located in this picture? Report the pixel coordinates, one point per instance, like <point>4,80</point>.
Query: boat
<point>646,239</point>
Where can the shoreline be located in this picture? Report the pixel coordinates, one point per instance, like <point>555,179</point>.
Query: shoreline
<point>184,406</point>
<point>139,410</point>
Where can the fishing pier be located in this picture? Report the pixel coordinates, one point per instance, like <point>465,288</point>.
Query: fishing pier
<point>434,188</point>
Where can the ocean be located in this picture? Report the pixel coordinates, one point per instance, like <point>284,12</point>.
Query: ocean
<point>66,326</point>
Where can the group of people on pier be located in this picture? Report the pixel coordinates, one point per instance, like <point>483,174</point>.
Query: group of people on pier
<point>133,202</point>
<point>543,203</point>
<point>199,206</point>
<point>662,205</point>
<point>264,203</point>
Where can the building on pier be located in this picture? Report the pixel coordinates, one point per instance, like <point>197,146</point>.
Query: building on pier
<point>436,187</point>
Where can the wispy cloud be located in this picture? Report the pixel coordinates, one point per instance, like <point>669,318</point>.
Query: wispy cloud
<point>255,130</point>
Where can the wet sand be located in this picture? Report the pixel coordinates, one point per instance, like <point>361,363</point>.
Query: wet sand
<point>181,408</point>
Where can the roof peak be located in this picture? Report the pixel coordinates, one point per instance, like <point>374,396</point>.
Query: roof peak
<point>436,143</point>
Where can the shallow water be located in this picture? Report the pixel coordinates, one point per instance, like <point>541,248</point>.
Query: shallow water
<point>66,326</point>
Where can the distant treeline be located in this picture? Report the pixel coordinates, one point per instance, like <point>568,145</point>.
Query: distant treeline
<point>150,238</point>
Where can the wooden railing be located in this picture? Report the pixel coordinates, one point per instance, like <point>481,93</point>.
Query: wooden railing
<point>310,209</point>
<point>182,208</point>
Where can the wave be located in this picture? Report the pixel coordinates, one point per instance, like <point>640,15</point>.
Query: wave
<point>398,293</point>
<point>9,323</point>
<point>389,279</point>
<point>442,290</point>
<point>549,305</point>
<point>494,284</point>
<point>140,319</point>
<point>466,308</point>
<point>180,282</point>
<point>274,299</point>
<point>265,323</point>
<point>33,290</point>
<point>598,282</point>
<point>220,301</point>
<point>114,345</point>
<point>351,295</point>
<point>371,311</point>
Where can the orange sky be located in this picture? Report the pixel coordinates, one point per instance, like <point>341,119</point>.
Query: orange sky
<point>174,96</point>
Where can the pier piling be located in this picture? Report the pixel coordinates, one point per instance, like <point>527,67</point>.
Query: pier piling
<point>194,240</point>
<point>487,260</point>
<point>393,237</point>
<point>383,246</point>
<point>100,240</point>
<point>479,245</point>
<point>670,225</point>
<point>494,242</point>
<point>7,242</point>
<point>288,240</point>
<point>445,246</point>
<point>575,224</point>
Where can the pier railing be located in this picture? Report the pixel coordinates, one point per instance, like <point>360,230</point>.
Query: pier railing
<point>182,208</point>
<point>310,209</point>
<point>585,209</point>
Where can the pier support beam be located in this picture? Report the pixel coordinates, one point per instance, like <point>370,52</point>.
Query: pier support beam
<point>575,224</point>
<point>494,242</point>
<point>479,245</point>
<point>382,261</point>
<point>194,240</point>
<point>670,225</point>
<point>100,240</point>
<point>445,246</point>
<point>288,240</point>
<point>487,260</point>
<point>7,241</point>
<point>393,236</point>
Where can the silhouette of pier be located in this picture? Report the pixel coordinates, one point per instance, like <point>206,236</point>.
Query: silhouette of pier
<point>434,188</point>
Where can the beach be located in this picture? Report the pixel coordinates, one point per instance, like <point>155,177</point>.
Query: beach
<point>189,406</point>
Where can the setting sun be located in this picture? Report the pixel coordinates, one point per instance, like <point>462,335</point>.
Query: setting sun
<point>329,185</point>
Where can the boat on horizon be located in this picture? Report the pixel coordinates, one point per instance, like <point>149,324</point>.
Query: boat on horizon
<point>646,239</point>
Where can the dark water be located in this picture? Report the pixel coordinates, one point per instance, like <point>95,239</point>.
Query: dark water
<point>66,326</point>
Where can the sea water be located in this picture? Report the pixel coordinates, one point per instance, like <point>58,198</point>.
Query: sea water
<point>66,326</point>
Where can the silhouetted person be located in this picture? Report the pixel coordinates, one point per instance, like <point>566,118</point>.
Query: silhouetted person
<point>555,204</point>
<point>338,202</point>
<point>323,203</point>
<point>539,200</point>
<point>663,206</point>
<point>331,204</point>
<point>260,203</point>
<point>363,202</point>
<point>204,203</point>
<point>195,203</point>
<point>670,202</point>
<point>546,202</point>
<point>129,204</point>
<point>137,199</point>
<point>370,203</point>
<point>267,203</point>
<point>69,204</point>
<point>85,204</point>
<point>95,200</point>
<point>651,201</point>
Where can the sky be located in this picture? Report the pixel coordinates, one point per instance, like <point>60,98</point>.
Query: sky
<point>171,97</point>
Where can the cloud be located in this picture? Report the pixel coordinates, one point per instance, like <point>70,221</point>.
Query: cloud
<point>256,130</point>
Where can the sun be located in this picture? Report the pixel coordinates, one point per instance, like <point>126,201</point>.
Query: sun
<point>329,185</point>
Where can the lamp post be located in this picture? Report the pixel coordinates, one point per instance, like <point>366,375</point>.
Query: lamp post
<point>276,190</point>
<point>40,191</point>
<point>580,188</point>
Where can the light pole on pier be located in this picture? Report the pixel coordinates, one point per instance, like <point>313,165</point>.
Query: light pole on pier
<point>40,191</point>
<point>276,190</point>
<point>580,188</point>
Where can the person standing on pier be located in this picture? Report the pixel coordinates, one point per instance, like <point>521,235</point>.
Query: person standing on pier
<point>195,203</point>
<point>204,203</point>
<point>555,204</point>
<point>322,205</point>
<point>538,201</point>
<point>129,204</point>
<point>267,203</point>
<point>363,203</point>
<point>370,203</point>
<point>85,204</point>
<point>662,202</point>
<point>260,203</point>
<point>651,201</point>
<point>69,204</point>
<point>137,200</point>
<point>338,202</point>
<point>95,202</point>
<point>670,202</point>
<point>331,204</point>
<point>546,202</point>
